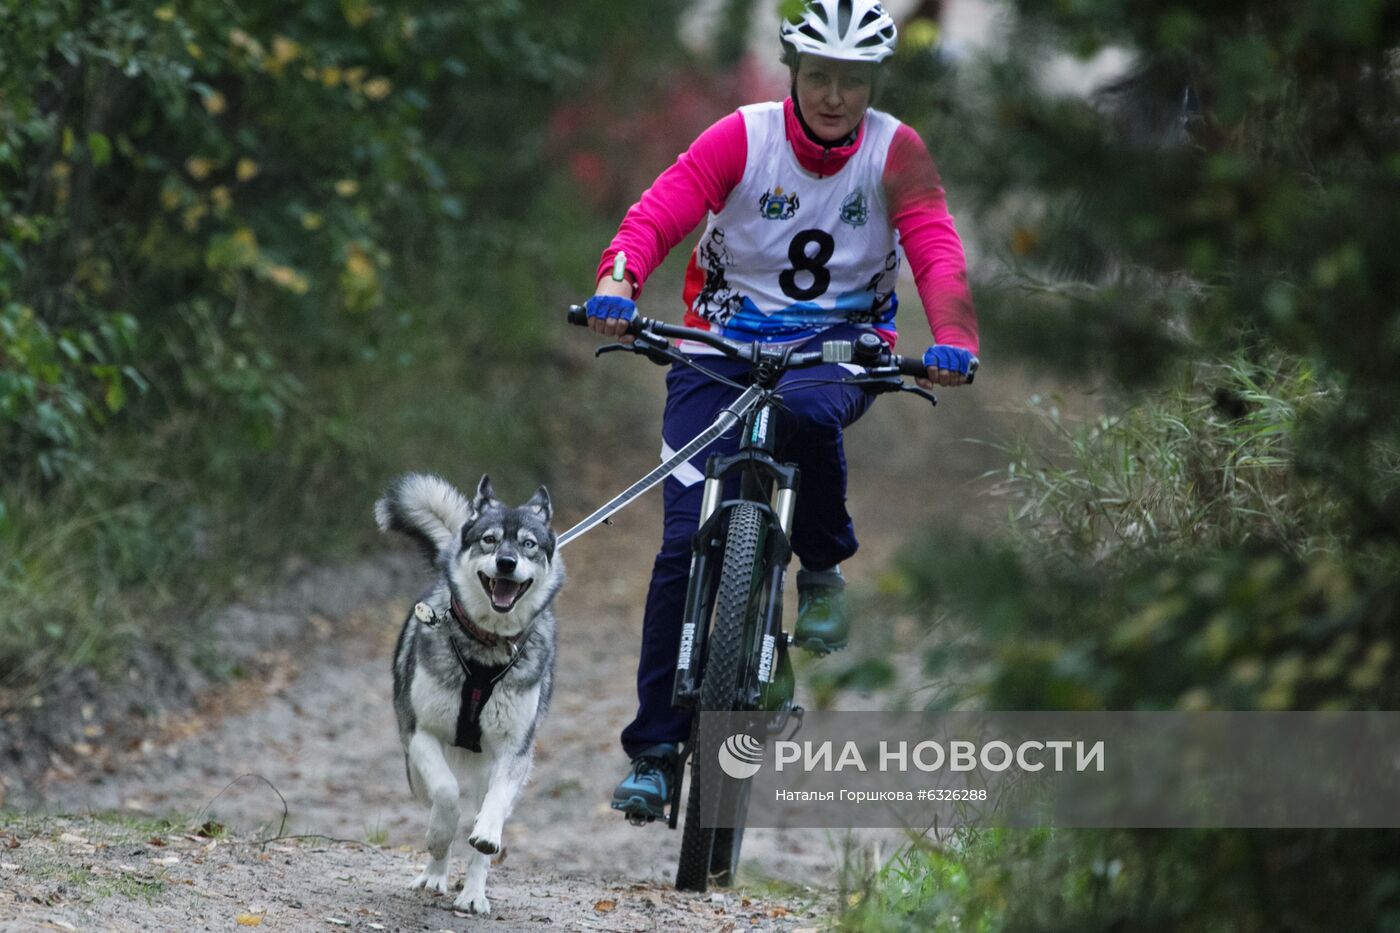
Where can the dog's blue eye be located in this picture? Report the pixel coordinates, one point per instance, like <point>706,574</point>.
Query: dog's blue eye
<point>528,545</point>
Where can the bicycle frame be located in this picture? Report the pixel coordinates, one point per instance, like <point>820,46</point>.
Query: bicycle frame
<point>757,525</point>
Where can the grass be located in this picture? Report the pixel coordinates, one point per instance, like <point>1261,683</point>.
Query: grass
<point>377,834</point>
<point>1209,461</point>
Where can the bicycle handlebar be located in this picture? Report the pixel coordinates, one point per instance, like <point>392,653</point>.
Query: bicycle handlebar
<point>868,350</point>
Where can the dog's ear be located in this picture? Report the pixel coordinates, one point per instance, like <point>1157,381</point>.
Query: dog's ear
<point>484,494</point>
<point>540,504</point>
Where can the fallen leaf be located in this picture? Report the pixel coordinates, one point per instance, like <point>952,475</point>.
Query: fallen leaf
<point>10,842</point>
<point>604,906</point>
<point>778,911</point>
<point>337,921</point>
<point>249,920</point>
<point>73,840</point>
<point>156,841</point>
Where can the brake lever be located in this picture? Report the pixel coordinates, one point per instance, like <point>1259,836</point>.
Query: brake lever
<point>920,392</point>
<point>889,383</point>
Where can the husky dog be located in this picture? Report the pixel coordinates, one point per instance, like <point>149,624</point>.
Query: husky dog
<point>474,664</point>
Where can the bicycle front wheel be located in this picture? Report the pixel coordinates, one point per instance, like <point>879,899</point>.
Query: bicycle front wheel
<point>740,587</point>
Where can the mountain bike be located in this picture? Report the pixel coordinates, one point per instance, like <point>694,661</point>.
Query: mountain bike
<point>732,648</point>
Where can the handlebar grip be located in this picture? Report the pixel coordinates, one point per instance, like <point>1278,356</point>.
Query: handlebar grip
<point>578,315</point>
<point>914,366</point>
<point>911,366</point>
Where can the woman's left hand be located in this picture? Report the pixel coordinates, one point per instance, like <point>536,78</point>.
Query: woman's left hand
<point>948,366</point>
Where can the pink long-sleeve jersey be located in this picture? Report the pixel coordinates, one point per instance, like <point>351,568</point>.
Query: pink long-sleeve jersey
<point>702,180</point>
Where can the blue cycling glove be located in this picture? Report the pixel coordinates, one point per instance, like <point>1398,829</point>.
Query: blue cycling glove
<point>610,307</point>
<point>955,359</point>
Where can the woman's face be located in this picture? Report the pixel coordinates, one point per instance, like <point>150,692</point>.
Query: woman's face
<point>833,94</point>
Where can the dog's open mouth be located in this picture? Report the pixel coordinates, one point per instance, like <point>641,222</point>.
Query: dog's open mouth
<point>504,593</point>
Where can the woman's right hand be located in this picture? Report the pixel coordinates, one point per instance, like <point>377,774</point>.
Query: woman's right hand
<point>611,309</point>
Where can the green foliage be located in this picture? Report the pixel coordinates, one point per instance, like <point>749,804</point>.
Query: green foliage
<point>1193,881</point>
<point>255,259</point>
<point>1209,238</point>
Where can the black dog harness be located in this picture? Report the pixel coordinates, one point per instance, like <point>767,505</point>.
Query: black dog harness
<point>479,680</point>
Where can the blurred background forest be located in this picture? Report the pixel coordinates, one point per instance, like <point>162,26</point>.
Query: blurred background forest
<point>241,244</point>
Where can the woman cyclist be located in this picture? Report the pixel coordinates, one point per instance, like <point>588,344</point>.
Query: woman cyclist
<point>810,204</point>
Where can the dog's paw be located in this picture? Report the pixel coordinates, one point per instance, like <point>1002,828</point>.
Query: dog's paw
<point>486,845</point>
<point>472,903</point>
<point>430,880</point>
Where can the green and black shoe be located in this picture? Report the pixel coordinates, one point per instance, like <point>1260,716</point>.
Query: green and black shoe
<point>822,623</point>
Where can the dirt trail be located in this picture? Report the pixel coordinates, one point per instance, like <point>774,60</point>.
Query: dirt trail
<point>316,723</point>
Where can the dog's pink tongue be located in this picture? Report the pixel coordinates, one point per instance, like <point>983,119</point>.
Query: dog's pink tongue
<point>503,593</point>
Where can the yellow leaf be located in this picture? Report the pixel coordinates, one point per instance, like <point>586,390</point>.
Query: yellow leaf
<point>920,33</point>
<point>221,198</point>
<point>169,199</point>
<point>331,75</point>
<point>215,103</point>
<point>347,187</point>
<point>354,77</point>
<point>199,167</point>
<point>604,906</point>
<point>311,220</point>
<point>246,169</point>
<point>194,51</point>
<point>358,264</point>
<point>249,920</point>
<point>378,88</point>
<point>288,278</point>
<point>284,50</point>
<point>165,13</point>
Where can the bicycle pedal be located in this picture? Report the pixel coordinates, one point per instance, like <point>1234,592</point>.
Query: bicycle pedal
<point>639,819</point>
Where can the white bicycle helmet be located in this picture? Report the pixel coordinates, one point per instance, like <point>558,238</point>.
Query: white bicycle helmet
<point>849,30</point>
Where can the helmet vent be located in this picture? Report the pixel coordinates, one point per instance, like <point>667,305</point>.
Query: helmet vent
<point>843,17</point>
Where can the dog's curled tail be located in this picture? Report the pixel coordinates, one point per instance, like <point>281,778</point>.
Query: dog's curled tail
<point>425,507</point>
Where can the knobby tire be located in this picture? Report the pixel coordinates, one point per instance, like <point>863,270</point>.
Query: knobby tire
<point>706,850</point>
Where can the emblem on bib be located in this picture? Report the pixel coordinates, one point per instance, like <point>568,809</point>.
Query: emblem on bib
<point>854,210</point>
<point>778,204</point>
